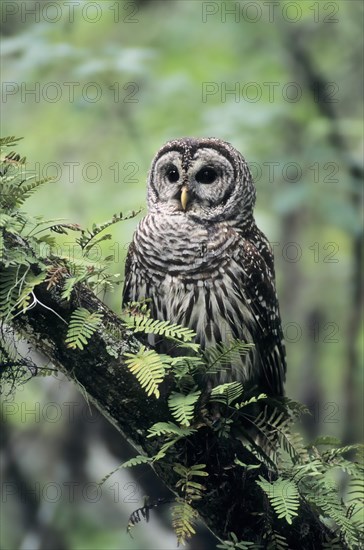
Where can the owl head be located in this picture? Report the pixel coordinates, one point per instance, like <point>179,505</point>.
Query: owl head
<point>205,179</point>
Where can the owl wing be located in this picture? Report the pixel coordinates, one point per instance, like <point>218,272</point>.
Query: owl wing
<point>137,288</point>
<point>128,272</point>
<point>258,288</point>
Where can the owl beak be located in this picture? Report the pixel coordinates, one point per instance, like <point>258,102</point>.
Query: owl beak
<point>184,197</point>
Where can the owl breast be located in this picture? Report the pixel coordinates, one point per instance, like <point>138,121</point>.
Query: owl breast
<point>191,274</point>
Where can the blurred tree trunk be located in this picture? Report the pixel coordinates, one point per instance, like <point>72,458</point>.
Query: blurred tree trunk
<point>319,87</point>
<point>38,528</point>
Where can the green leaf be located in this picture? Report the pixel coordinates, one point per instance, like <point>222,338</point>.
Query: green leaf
<point>149,368</point>
<point>222,355</point>
<point>226,393</point>
<point>169,428</point>
<point>283,495</point>
<point>182,406</point>
<point>85,241</point>
<point>246,466</point>
<point>184,519</point>
<point>81,327</point>
<point>147,325</point>
<point>135,461</point>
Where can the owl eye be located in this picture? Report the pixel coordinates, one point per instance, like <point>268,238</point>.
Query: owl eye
<point>206,175</point>
<point>172,174</point>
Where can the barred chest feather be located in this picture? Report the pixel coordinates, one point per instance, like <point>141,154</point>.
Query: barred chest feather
<point>193,275</point>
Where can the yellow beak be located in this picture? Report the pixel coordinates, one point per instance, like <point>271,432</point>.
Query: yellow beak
<point>184,197</point>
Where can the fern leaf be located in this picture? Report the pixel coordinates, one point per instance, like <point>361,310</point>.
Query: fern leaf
<point>187,367</point>
<point>12,282</point>
<point>331,454</point>
<point>235,544</point>
<point>182,406</point>
<point>222,355</point>
<point>14,196</point>
<point>81,327</point>
<point>69,285</point>
<point>87,236</point>
<point>184,519</point>
<point>147,325</point>
<point>277,541</point>
<point>283,496</point>
<point>135,461</point>
<point>169,428</point>
<point>276,424</point>
<point>198,469</point>
<point>331,507</point>
<point>251,400</point>
<point>149,368</point>
<point>9,141</point>
<point>325,440</point>
<point>332,544</point>
<point>226,393</point>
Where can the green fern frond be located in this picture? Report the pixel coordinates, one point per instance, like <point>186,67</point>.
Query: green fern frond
<point>246,467</point>
<point>263,455</point>
<point>149,368</point>
<point>169,428</point>
<point>69,285</point>
<point>135,461</point>
<point>165,447</point>
<point>13,196</point>
<point>349,467</point>
<point>85,240</point>
<point>330,507</point>
<point>143,323</point>
<point>226,393</point>
<point>25,298</point>
<point>9,291</point>
<point>283,496</point>
<point>16,283</point>
<point>332,544</point>
<point>184,519</point>
<point>5,220</point>
<point>331,454</point>
<point>235,544</point>
<point>191,471</point>
<point>2,245</point>
<point>292,408</point>
<point>275,425</point>
<point>185,369</point>
<point>81,327</point>
<point>325,440</point>
<point>173,434</point>
<point>355,492</point>
<point>276,541</point>
<point>182,406</point>
<point>311,469</point>
<point>9,141</point>
<point>251,400</point>
<point>292,442</point>
<point>222,355</point>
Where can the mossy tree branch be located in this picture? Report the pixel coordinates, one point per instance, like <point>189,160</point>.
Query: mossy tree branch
<point>232,498</point>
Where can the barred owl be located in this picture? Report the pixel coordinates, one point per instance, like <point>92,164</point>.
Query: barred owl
<point>200,259</point>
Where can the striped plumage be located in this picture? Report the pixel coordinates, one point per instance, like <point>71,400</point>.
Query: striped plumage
<point>201,260</point>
